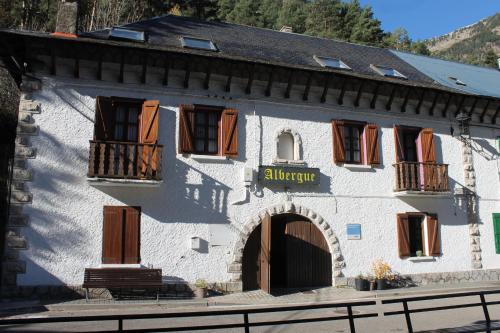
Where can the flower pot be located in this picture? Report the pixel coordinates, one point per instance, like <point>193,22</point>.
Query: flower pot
<point>381,284</point>
<point>361,284</point>
<point>200,292</point>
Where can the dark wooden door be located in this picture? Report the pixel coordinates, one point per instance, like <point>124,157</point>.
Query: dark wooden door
<point>265,254</point>
<point>308,259</point>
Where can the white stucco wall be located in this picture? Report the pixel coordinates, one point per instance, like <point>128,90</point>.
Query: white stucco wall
<point>487,166</point>
<point>195,198</point>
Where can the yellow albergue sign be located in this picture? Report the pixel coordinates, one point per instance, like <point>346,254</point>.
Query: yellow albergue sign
<point>279,175</point>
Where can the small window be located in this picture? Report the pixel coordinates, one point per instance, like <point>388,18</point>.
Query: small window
<point>457,81</point>
<point>331,62</point>
<point>416,229</point>
<point>198,43</point>
<point>355,143</point>
<point>352,143</point>
<point>418,235</point>
<point>286,147</point>
<point>126,34</point>
<point>388,71</point>
<point>208,130</point>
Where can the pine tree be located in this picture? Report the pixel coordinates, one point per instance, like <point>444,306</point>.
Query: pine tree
<point>367,29</point>
<point>246,12</point>
<point>491,59</point>
<point>293,13</point>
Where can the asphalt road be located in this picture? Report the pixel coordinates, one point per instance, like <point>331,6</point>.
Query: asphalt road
<point>421,321</point>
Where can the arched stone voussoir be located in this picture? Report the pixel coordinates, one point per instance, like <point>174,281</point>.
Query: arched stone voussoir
<point>288,207</point>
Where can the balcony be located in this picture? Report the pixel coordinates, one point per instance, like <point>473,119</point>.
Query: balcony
<point>417,179</point>
<point>124,163</point>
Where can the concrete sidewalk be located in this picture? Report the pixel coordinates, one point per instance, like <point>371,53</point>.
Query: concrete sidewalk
<point>250,299</point>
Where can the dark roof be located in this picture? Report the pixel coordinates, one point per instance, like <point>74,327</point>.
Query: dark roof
<point>268,45</point>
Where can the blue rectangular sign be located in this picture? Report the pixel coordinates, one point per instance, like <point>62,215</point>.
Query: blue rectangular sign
<point>354,231</point>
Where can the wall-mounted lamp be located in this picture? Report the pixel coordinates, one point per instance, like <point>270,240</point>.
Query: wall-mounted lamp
<point>463,120</point>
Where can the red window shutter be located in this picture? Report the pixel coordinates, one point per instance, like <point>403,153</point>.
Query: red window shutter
<point>186,129</point>
<point>400,153</point>
<point>229,138</point>
<point>149,133</point>
<point>427,146</point>
<point>433,235</point>
<point>372,145</point>
<point>104,118</point>
<point>338,141</point>
<point>131,248</point>
<point>403,236</point>
<point>112,235</point>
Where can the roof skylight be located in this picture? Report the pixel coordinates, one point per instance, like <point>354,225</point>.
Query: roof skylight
<point>458,81</point>
<point>198,43</point>
<point>126,34</point>
<point>388,71</point>
<point>331,62</point>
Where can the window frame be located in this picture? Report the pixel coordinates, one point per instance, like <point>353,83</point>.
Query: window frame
<point>127,34</point>
<point>128,104</point>
<point>206,111</point>
<point>351,125</point>
<point>184,42</point>
<point>424,242</point>
<point>381,70</point>
<point>322,61</point>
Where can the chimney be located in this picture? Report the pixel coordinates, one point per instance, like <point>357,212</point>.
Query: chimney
<point>286,28</point>
<point>67,15</point>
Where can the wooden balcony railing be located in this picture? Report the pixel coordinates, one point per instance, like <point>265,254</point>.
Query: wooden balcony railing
<point>424,177</point>
<point>128,160</point>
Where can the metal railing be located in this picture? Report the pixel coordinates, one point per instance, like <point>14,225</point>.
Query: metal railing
<point>131,160</point>
<point>486,327</point>
<point>417,176</point>
<point>245,322</point>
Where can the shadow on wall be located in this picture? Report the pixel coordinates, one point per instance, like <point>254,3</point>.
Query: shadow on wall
<point>188,194</point>
<point>484,149</point>
<point>461,199</point>
<point>53,231</point>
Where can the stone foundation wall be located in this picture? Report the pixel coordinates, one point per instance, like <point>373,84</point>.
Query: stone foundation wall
<point>168,291</point>
<point>446,277</point>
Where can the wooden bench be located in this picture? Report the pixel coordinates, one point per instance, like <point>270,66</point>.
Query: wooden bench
<point>486,326</point>
<point>118,278</point>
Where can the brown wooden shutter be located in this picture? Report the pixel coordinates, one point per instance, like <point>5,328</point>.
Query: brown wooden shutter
<point>400,153</point>
<point>104,119</point>
<point>433,235</point>
<point>338,141</point>
<point>149,133</point>
<point>112,235</point>
<point>403,235</point>
<point>229,137</point>
<point>427,146</point>
<point>372,145</point>
<point>131,249</point>
<point>186,129</point>
<point>265,254</point>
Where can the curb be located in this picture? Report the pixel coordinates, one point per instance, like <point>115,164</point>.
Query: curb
<point>210,303</point>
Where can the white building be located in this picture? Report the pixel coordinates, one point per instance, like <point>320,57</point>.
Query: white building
<point>247,157</point>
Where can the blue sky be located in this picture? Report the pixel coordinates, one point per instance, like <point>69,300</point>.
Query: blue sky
<point>429,18</point>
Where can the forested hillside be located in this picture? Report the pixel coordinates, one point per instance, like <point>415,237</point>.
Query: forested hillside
<point>345,20</point>
<point>475,44</point>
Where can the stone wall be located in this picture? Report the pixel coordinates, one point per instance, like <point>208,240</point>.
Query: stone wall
<point>446,277</point>
<point>20,195</point>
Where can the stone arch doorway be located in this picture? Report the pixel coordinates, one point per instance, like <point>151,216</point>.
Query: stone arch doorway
<point>286,251</point>
<point>307,233</point>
